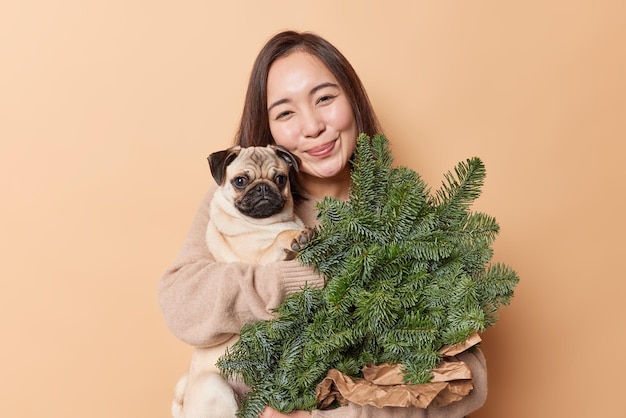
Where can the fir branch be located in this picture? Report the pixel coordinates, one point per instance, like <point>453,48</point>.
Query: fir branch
<point>406,273</point>
<point>458,192</point>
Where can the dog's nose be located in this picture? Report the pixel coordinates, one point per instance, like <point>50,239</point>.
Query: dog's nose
<point>262,189</point>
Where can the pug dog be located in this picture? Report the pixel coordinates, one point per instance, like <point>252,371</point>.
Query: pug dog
<point>252,220</point>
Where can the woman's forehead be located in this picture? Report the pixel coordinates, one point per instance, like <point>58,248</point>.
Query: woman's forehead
<point>297,72</point>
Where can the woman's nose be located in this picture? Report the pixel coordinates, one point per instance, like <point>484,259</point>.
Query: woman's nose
<point>313,125</point>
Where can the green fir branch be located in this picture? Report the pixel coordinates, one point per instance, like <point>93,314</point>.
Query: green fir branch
<point>406,273</point>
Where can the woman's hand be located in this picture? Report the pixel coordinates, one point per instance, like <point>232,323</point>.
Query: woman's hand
<point>272,413</point>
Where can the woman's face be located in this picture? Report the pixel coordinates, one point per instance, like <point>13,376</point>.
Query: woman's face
<point>310,115</point>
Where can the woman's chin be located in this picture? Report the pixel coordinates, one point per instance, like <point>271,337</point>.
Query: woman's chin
<point>324,172</point>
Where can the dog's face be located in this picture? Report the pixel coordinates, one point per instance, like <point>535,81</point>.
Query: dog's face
<point>255,179</point>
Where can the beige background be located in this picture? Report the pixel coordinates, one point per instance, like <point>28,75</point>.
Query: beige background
<point>109,108</point>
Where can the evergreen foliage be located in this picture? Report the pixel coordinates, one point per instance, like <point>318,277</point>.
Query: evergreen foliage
<point>407,274</point>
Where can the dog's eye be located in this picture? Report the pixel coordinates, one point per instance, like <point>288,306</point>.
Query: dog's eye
<point>240,182</point>
<point>280,179</point>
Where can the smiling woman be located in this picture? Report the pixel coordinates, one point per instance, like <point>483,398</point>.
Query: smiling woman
<point>311,112</point>
<point>310,115</point>
<point>303,94</point>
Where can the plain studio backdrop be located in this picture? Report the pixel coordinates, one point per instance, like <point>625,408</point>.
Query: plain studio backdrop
<point>108,110</point>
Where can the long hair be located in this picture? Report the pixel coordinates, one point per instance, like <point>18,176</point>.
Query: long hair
<point>254,129</point>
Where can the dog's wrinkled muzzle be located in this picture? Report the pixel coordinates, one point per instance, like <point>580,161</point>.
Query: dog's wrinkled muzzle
<point>261,201</point>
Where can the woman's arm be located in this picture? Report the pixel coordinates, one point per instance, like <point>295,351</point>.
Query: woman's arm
<point>204,302</point>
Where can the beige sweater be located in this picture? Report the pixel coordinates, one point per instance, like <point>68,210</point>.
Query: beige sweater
<point>204,302</point>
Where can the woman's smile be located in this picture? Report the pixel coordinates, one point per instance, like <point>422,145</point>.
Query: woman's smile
<point>322,150</point>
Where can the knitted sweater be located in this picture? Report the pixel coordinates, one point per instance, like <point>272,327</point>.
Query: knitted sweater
<point>205,302</point>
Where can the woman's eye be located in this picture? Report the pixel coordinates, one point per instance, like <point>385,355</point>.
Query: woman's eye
<point>283,115</point>
<point>280,180</point>
<point>326,98</point>
<point>240,182</point>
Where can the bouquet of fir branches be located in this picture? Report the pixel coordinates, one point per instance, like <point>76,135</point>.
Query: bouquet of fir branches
<point>407,273</point>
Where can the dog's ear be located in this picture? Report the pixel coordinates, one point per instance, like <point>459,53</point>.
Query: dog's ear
<point>291,159</point>
<point>219,160</point>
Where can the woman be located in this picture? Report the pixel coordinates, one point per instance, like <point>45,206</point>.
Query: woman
<point>304,95</point>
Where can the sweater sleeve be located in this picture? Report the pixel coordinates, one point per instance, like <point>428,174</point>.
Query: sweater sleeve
<point>204,302</point>
<point>472,402</point>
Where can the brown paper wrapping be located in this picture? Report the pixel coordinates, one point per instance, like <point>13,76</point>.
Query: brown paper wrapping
<point>382,385</point>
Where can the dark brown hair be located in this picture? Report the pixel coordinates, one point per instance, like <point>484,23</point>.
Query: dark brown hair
<point>254,126</point>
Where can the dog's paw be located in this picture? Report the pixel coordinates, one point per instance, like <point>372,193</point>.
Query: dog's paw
<point>296,240</point>
<point>304,237</point>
